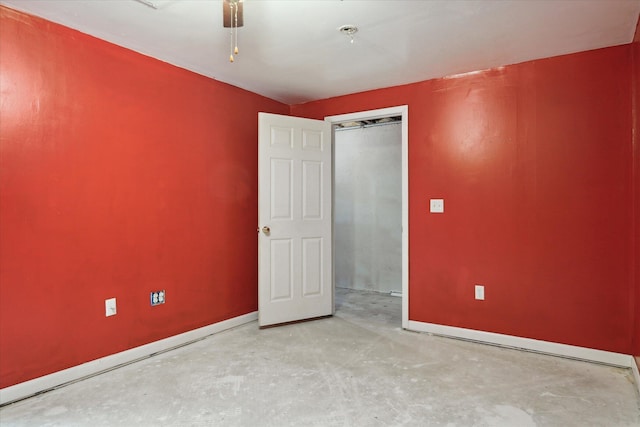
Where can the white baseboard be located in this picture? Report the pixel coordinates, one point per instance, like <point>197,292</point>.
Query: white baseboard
<point>75,373</point>
<point>57,379</point>
<point>555,349</point>
<point>636,372</point>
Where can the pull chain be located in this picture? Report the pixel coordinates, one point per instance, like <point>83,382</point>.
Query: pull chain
<point>236,27</point>
<point>231,31</point>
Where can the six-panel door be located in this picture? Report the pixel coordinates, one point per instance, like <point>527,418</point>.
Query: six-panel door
<point>294,216</point>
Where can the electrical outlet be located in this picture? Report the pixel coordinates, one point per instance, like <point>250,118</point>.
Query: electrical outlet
<point>110,307</point>
<point>436,205</point>
<point>158,297</point>
<point>480,292</point>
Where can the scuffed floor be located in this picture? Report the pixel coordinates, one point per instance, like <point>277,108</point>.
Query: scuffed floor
<point>355,369</point>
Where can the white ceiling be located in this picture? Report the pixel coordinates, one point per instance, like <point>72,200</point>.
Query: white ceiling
<point>292,51</point>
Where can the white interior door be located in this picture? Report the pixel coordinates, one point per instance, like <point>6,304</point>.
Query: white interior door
<point>294,217</point>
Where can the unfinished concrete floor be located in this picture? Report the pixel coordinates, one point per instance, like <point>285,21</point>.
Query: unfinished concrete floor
<point>355,369</point>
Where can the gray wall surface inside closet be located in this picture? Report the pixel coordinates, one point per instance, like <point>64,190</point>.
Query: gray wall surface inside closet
<point>368,208</point>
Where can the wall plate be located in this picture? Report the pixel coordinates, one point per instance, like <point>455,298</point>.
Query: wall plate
<point>436,205</point>
<point>158,297</point>
<point>110,308</point>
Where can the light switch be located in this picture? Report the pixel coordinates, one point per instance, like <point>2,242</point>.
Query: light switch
<point>110,307</point>
<point>479,292</point>
<point>436,205</point>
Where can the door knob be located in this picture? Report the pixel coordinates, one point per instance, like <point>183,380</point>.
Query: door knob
<point>266,229</point>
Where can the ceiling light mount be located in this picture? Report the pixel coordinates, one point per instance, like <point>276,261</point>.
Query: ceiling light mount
<point>349,30</point>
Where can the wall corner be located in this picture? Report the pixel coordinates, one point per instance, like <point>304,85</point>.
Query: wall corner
<point>635,188</point>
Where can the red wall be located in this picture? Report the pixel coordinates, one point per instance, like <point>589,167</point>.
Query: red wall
<point>636,156</point>
<point>119,175</point>
<point>534,162</point>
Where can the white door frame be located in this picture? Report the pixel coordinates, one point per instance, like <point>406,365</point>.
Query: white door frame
<point>403,111</point>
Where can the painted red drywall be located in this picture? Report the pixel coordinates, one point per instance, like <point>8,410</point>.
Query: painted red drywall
<point>635,46</point>
<point>119,175</point>
<point>534,162</point>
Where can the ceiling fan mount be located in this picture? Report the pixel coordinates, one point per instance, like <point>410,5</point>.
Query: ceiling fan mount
<point>230,10</point>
